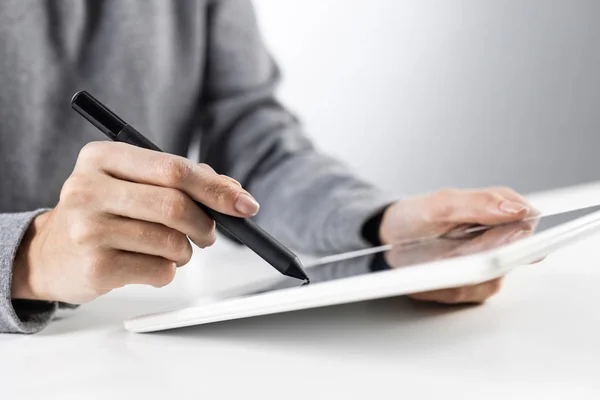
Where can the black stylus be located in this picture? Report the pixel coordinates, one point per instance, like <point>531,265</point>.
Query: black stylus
<point>243,229</point>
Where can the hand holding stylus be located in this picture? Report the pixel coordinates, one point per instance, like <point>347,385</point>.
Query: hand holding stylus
<point>124,217</point>
<point>243,229</point>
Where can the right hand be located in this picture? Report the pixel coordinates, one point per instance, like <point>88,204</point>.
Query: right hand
<point>124,217</point>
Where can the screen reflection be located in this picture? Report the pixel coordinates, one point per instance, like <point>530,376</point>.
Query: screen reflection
<point>461,241</point>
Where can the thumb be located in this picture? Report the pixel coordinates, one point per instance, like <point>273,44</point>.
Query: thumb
<point>486,207</point>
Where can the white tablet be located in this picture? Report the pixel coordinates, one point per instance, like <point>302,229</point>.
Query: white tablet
<point>463,257</point>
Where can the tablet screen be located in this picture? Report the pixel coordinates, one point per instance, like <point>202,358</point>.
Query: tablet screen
<point>467,240</point>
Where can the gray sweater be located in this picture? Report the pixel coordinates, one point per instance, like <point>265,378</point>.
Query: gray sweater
<point>183,72</point>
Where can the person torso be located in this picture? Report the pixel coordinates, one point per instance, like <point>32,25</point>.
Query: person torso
<point>145,59</point>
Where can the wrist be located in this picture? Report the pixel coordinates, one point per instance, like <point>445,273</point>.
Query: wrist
<point>23,286</point>
<point>384,232</point>
<point>371,230</point>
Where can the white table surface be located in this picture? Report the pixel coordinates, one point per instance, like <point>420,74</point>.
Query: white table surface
<point>538,337</point>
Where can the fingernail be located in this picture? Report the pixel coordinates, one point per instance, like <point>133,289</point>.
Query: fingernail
<point>512,207</point>
<point>246,205</point>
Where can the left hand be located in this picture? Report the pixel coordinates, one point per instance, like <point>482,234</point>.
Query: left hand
<point>442,211</point>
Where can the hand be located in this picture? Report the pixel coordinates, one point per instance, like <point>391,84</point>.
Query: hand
<point>124,217</point>
<point>423,251</point>
<point>440,212</point>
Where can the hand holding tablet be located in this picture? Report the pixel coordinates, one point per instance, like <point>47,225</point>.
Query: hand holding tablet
<point>448,211</point>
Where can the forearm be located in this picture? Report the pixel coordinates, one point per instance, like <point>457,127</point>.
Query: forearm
<point>308,200</point>
<point>18,316</point>
<point>315,204</point>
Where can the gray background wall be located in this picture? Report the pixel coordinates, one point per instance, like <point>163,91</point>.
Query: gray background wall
<point>422,94</point>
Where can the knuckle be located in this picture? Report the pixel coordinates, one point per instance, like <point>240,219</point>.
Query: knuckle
<point>165,275</point>
<point>186,254</point>
<point>175,171</point>
<point>84,232</point>
<point>441,206</point>
<point>175,206</point>
<point>92,152</point>
<point>215,192</point>
<point>209,238</point>
<point>489,197</point>
<point>178,244</point>
<point>230,179</point>
<point>95,271</point>
<point>219,192</point>
<point>206,167</point>
<point>77,190</point>
<point>174,241</point>
<point>206,234</point>
<point>443,212</point>
<point>508,193</point>
<point>212,233</point>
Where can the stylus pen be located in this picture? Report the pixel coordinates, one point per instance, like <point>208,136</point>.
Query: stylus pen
<point>243,229</point>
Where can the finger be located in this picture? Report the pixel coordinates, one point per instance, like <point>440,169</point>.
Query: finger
<point>487,290</point>
<point>494,237</point>
<point>466,294</point>
<point>199,181</point>
<point>512,195</point>
<point>419,252</point>
<point>508,193</point>
<point>146,238</point>
<point>532,216</point>
<point>160,205</point>
<point>483,291</point>
<point>124,268</point>
<point>476,207</point>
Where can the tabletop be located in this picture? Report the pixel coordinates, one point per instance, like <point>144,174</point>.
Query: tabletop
<point>537,337</point>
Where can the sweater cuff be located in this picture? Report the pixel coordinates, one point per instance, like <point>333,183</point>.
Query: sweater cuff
<point>18,316</point>
<point>345,226</point>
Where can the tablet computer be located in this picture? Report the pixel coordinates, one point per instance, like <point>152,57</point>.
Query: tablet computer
<point>464,256</point>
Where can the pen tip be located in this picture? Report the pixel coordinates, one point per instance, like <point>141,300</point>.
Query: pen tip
<point>296,270</point>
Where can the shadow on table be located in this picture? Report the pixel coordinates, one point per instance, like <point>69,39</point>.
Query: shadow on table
<point>104,313</point>
<point>390,326</point>
<point>377,325</point>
